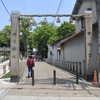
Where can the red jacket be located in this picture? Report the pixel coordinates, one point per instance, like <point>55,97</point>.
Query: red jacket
<point>31,60</point>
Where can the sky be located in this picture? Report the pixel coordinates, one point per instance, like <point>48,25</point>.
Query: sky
<point>35,7</point>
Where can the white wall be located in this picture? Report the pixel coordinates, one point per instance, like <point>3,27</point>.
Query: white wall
<point>55,52</point>
<point>89,4</point>
<point>86,4</point>
<point>74,49</point>
<point>49,51</point>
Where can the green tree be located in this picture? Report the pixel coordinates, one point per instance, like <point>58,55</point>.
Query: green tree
<point>43,35</point>
<point>65,29</point>
<point>5,36</point>
<point>25,28</point>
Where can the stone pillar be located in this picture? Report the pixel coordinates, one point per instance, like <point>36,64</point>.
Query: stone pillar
<point>82,65</point>
<point>78,66</point>
<point>14,55</point>
<point>88,48</point>
<point>72,66</point>
<point>75,66</point>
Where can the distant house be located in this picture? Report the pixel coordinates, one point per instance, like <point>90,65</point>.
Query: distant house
<point>81,49</point>
<point>54,51</point>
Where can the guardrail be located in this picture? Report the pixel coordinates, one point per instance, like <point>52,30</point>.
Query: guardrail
<point>69,65</point>
<point>4,68</point>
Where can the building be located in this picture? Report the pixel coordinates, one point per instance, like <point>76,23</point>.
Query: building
<point>81,49</point>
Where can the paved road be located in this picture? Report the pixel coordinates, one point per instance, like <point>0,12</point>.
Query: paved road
<point>44,88</point>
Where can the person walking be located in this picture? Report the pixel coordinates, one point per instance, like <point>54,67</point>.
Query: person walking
<point>30,63</point>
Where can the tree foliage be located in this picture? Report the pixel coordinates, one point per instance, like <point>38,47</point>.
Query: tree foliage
<point>5,36</point>
<point>26,34</point>
<point>43,35</point>
<point>65,29</point>
<point>38,38</point>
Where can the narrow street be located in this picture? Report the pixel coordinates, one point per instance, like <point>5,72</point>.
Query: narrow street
<point>44,87</point>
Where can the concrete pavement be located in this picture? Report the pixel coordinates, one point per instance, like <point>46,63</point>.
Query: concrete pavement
<point>5,86</point>
<point>43,89</point>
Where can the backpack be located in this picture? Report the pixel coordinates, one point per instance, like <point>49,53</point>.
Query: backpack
<point>31,63</point>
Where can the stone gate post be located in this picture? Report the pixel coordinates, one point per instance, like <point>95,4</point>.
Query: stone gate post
<point>14,55</point>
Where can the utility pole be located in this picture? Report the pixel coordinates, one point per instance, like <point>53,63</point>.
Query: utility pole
<point>98,17</point>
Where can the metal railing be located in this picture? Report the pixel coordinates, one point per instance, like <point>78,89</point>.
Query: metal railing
<point>69,65</point>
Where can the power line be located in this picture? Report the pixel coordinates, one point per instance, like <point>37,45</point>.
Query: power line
<point>61,5</point>
<point>24,5</point>
<point>58,9</point>
<point>5,7</point>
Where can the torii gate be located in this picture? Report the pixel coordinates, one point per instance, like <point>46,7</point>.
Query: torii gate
<point>15,23</point>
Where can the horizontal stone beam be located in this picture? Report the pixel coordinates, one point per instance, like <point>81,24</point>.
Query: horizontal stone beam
<point>5,49</point>
<point>53,15</point>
